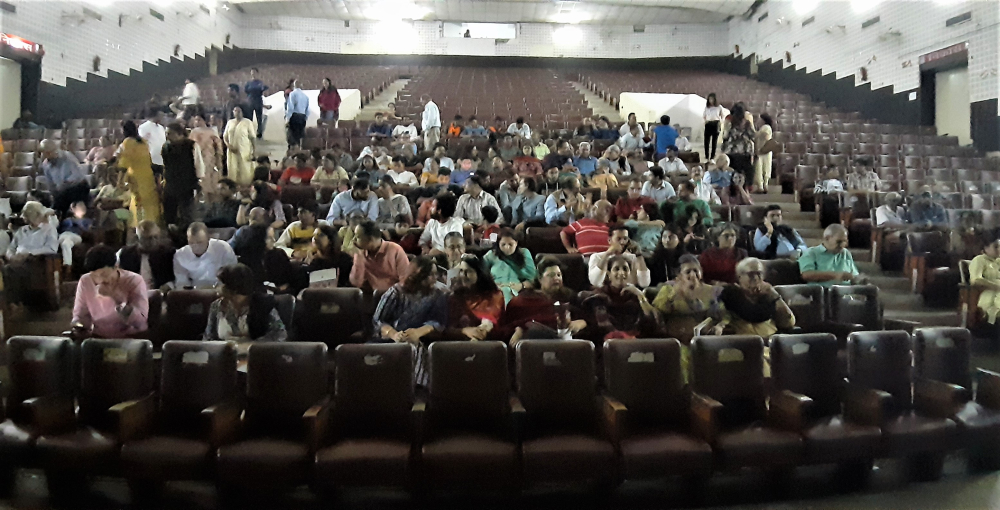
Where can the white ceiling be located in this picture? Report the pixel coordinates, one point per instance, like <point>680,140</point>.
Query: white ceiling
<point>607,12</point>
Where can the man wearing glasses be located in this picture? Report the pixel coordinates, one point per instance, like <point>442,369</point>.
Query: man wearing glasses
<point>753,307</point>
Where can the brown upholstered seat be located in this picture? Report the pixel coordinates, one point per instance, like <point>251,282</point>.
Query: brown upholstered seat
<point>331,316</point>
<point>187,313</point>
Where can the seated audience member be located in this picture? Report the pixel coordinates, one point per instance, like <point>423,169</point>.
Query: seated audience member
<point>604,131</point>
<point>664,136</point>
<point>720,176</point>
<point>278,274</point>
<point>404,133</point>
<point>586,128</point>
<point>565,205</point>
<point>682,142</point>
<point>263,197</point>
<point>411,310</point>
<point>984,274</point>
<point>508,149</point>
<point>380,128</point>
<point>827,193</point>
<point>584,161</point>
<point>687,302</point>
<point>559,158</point>
<point>550,183</point>
<point>451,257</point>
<point>71,229</point>
<point>753,307</point>
<point>774,239</point>
<point>543,311</point>
<point>926,210</point>
<point>198,263</point>
<point>617,308</point>
<point>541,147</point>
<point>528,206</point>
<point>432,238</point>
<point>343,158</point>
<point>345,234</point>
<point>476,304</point>
<point>242,313</point>
<point>473,128</point>
<point>664,265</point>
<point>632,142</point>
<point>671,164</point>
<point>297,237</point>
<point>591,234</point>
<point>506,193</point>
<point>702,190</point>
<point>830,263</point>
<point>360,199</point>
<point>718,264</point>
<point>485,234</point>
<point>891,213</point>
<point>526,164</point>
<point>736,193</point>
<point>393,208</point>
<point>470,205</point>
<point>37,238</point>
<point>454,129</point>
<point>602,176</point>
<point>150,257</point>
<point>251,244</point>
<point>330,173</point>
<point>300,174</point>
<point>695,233</point>
<point>460,174</point>
<point>830,183</point>
<point>619,245</point>
<point>520,129</point>
<point>510,266</point>
<point>656,188</point>
<point>222,211</point>
<point>431,174</point>
<point>110,302</point>
<point>326,254</point>
<point>629,206</point>
<point>63,175</point>
<point>686,196</point>
<point>441,155</point>
<point>378,264</point>
<point>864,177</point>
<point>400,175</point>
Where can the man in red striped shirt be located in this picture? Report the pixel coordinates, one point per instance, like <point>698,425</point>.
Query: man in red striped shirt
<point>589,235</point>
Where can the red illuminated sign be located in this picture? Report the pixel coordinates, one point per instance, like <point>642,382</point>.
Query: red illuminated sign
<point>21,44</point>
<point>943,53</point>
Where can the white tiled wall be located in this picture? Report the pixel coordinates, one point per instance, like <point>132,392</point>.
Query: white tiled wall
<point>892,61</point>
<point>331,36</point>
<point>71,40</point>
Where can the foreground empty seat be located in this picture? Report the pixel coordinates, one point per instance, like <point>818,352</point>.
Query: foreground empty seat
<point>565,437</point>
<point>469,439</point>
<point>728,405</point>
<point>197,413</point>
<point>331,316</point>
<point>879,394</point>
<point>653,410</point>
<point>187,313</point>
<point>371,430</point>
<point>285,411</point>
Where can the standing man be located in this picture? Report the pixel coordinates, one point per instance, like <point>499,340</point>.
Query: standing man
<point>155,135</point>
<point>180,175</point>
<point>66,181</point>
<point>296,113</point>
<point>191,95</point>
<point>431,122</point>
<point>254,90</point>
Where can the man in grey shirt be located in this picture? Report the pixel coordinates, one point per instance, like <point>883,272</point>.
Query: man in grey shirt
<point>65,179</point>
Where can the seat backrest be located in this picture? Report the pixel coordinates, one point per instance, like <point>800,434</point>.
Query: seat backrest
<point>187,312</point>
<point>806,302</point>
<point>921,242</point>
<point>645,375</point>
<point>807,364</point>
<point>194,376</point>
<point>730,369</point>
<point>469,387</point>
<point>751,215</point>
<point>330,316</point>
<point>543,240</point>
<point>113,371</point>
<point>297,195</point>
<point>284,379</point>
<point>782,272</point>
<point>39,366</point>
<point>373,389</point>
<point>855,304</point>
<point>943,354</point>
<point>881,360</point>
<point>556,384</point>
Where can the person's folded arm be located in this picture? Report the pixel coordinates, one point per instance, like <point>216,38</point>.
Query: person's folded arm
<point>761,240</point>
<point>138,299</point>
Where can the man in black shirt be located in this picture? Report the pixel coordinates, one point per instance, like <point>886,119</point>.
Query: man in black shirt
<point>180,175</point>
<point>222,213</point>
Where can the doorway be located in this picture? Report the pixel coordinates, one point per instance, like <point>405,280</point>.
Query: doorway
<point>953,110</point>
<point>10,91</point>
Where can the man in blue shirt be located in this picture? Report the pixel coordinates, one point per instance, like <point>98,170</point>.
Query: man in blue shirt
<point>664,135</point>
<point>604,131</point>
<point>296,113</point>
<point>379,129</point>
<point>474,129</point>
<point>359,199</point>
<point>254,90</point>
<point>776,240</point>
<point>66,181</point>
<point>584,162</point>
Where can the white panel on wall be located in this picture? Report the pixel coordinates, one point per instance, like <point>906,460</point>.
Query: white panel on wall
<point>10,91</point>
<point>480,47</point>
<point>952,112</point>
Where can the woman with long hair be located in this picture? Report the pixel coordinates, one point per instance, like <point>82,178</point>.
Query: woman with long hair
<point>326,253</point>
<point>542,310</point>
<point>211,153</point>
<point>137,178</point>
<point>740,144</point>
<point>261,195</point>
<point>693,228</point>
<point>510,266</point>
<point>526,164</point>
<point>329,103</point>
<point>476,304</point>
<point>243,313</point>
<point>240,136</point>
<point>664,265</point>
<point>619,309</point>
<point>718,263</point>
<point>713,118</point>
<point>984,274</point>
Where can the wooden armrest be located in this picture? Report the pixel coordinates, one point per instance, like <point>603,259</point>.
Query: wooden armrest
<point>51,414</point>
<point>316,418</point>
<point>788,410</point>
<point>223,422</point>
<point>988,391</point>
<point>866,406</point>
<point>937,398</point>
<point>705,417</point>
<point>135,417</point>
<point>418,414</point>
<point>613,413</point>
<point>899,325</point>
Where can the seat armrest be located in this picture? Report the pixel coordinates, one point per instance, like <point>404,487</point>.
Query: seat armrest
<point>788,411</point>
<point>135,418</point>
<point>518,416</point>
<point>705,417</point>
<point>988,391</point>
<point>899,325</point>
<point>223,423</point>
<point>316,419</point>
<point>613,415</point>
<point>866,406</point>
<point>841,330</point>
<point>51,414</point>
<point>938,399</point>
<point>418,414</point>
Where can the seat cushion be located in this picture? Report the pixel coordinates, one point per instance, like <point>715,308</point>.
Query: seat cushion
<point>914,433</point>
<point>653,455</point>
<point>359,462</point>
<point>264,463</point>
<point>833,440</point>
<point>759,446</point>
<point>980,425</point>
<point>568,457</point>
<point>85,450</point>
<point>15,443</point>
<point>470,458</point>
<point>165,458</point>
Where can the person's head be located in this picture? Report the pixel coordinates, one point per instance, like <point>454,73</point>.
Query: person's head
<point>454,246</point>
<point>473,122</point>
<point>446,206</point>
<point>552,175</point>
<point>691,217</point>
<point>147,235</point>
<point>234,90</point>
<point>307,214</point>
<point>991,243</point>
<point>327,83</point>
<point>665,120</point>
<point>584,149</point>
<point>78,209</point>
<point>360,188</point>
<point>34,213</point>
<point>325,238</point>
<point>564,148</point>
<point>619,269</point>
<point>601,211</point>
<point>738,181</point>
<point>832,172</point>
<point>507,141</point>
<point>835,238</point>
<point>490,214</point>
<point>528,186</point>
<point>176,132</point>
<point>254,72</point>
<point>50,148</point>
<point>656,176</point>
<point>571,185</point>
<point>690,271</point>
<point>631,118</point>
<point>671,153</point>
<point>750,275</point>
<point>614,152</point>
<point>227,188</point>
<point>238,113</point>
<point>685,191</point>
<point>238,281</point>
<point>722,161</point>
<point>444,176</point>
<point>697,173</point>
<point>197,238</point>
<point>440,150</point>
<point>527,150</point>
<point>738,114</point>
<point>712,100</point>
<point>472,277</point>
<point>619,236</point>
<point>367,236</point>
<point>301,160</point>
<point>727,235</point>
<point>422,276</point>
<point>603,167</point>
<point>131,130</point>
<point>107,141</point>
<point>457,120</point>
<point>379,118</point>
<point>262,195</point>
<point>634,187</point>
<point>767,120</point>
<point>893,199</point>
<point>602,123</point>
<point>519,121</point>
<point>670,238</point>
<point>101,264</point>
<point>773,214</point>
<point>474,185</point>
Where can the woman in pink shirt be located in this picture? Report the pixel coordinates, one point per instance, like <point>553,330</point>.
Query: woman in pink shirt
<point>110,302</point>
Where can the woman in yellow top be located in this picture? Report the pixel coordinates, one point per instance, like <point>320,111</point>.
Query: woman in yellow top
<point>133,157</point>
<point>240,136</point>
<point>984,274</point>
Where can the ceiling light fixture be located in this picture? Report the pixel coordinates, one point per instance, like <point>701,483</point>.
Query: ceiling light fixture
<point>567,36</point>
<point>397,10</point>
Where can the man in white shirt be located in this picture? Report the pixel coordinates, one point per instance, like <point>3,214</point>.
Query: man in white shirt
<point>672,164</point>
<point>619,244</point>
<point>520,129</point>
<point>632,142</point>
<point>470,205</point>
<point>626,127</point>
<point>400,175</point>
<point>191,95</point>
<point>440,152</point>
<point>155,135</point>
<point>703,190</point>
<point>656,187</point>
<point>430,122</point>
<point>197,264</point>
<point>400,130</point>
<point>890,214</point>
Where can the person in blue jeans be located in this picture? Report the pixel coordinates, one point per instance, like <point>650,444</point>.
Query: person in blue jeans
<point>664,136</point>
<point>254,90</point>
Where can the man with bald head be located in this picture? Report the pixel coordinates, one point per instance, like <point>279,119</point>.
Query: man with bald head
<point>830,263</point>
<point>591,234</point>
<point>197,264</point>
<point>65,179</point>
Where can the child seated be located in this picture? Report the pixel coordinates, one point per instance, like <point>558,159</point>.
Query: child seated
<point>71,230</point>
<point>485,234</point>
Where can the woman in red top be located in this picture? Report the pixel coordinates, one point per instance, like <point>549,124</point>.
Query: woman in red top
<point>527,165</point>
<point>476,304</point>
<point>298,175</point>
<point>532,314</point>
<point>329,102</point>
<point>718,264</point>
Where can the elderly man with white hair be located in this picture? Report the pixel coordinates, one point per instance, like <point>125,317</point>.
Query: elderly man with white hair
<point>830,263</point>
<point>584,161</point>
<point>753,307</point>
<point>37,238</point>
<point>65,179</point>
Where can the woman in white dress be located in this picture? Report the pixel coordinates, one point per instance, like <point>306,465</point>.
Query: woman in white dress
<point>240,136</point>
